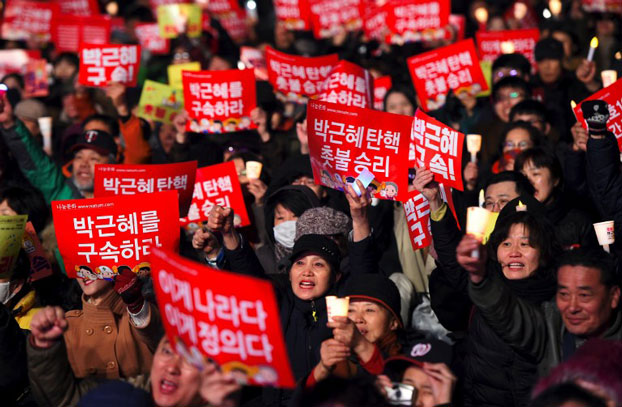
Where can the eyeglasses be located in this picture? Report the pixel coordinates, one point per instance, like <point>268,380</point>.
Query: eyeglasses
<point>522,145</point>
<point>178,56</point>
<point>498,205</point>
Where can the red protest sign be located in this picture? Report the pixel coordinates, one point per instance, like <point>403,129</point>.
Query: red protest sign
<point>293,13</point>
<point>125,179</point>
<point>219,101</point>
<point>346,140</point>
<point>602,6</point>
<point>454,67</point>
<point>70,31</point>
<point>24,20</point>
<point>458,23</point>
<point>79,7</point>
<point>97,235</point>
<point>254,58</point>
<point>381,87</point>
<point>437,147</point>
<point>330,17</point>
<point>217,185</point>
<point>413,20</point>
<point>150,39</point>
<point>374,21</point>
<point>612,94</point>
<point>491,44</point>
<point>217,315</point>
<point>348,84</point>
<point>101,64</point>
<point>234,23</point>
<point>216,7</point>
<point>417,211</point>
<point>297,77</point>
<point>16,60</point>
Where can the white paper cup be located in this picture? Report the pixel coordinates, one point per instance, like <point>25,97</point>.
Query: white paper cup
<point>253,169</point>
<point>605,233</point>
<point>608,76</point>
<point>477,222</point>
<point>45,125</point>
<point>337,307</point>
<point>474,144</point>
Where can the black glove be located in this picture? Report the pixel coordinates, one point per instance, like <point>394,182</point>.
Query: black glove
<point>596,114</point>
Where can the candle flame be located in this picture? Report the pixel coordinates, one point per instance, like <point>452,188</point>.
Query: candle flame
<point>481,15</point>
<point>594,42</point>
<point>573,104</point>
<point>507,47</point>
<point>618,55</point>
<point>555,6</point>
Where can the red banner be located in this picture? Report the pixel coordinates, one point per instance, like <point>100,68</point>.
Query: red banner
<point>417,210</point>
<point>216,7</point>
<point>602,6</point>
<point>345,141</point>
<point>374,21</point>
<point>125,179</point>
<point>330,17</point>
<point>294,13</point>
<point>70,31</point>
<point>437,147</point>
<point>612,94</point>
<point>219,101</point>
<point>24,20</point>
<point>149,39</point>
<point>234,23</point>
<point>254,58</point>
<point>79,7</point>
<point>97,235</point>
<point>348,84</point>
<point>217,315</point>
<point>155,3</point>
<point>101,64</point>
<point>454,67</point>
<point>491,44</point>
<point>410,18</point>
<point>381,87</point>
<point>297,77</point>
<point>217,185</point>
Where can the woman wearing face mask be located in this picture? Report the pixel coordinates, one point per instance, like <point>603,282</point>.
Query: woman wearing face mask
<point>521,251</point>
<point>517,137</point>
<point>573,228</point>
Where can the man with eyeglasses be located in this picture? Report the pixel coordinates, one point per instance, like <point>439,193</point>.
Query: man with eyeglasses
<point>535,113</point>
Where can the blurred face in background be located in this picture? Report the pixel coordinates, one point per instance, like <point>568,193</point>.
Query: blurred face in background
<point>398,103</point>
<point>505,100</point>
<point>549,70</point>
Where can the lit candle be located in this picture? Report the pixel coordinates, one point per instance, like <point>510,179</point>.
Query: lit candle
<point>573,104</point>
<point>474,144</point>
<point>520,10</point>
<point>593,46</point>
<point>482,197</point>
<point>507,47</point>
<point>337,307</point>
<point>521,207</point>
<point>253,169</point>
<point>608,76</point>
<point>605,234</point>
<point>555,6</point>
<point>481,15</point>
<point>477,223</point>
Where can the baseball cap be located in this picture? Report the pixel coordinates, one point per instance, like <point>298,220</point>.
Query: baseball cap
<point>98,140</point>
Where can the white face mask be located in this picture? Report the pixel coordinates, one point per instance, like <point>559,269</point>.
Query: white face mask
<point>285,233</point>
<point>5,292</point>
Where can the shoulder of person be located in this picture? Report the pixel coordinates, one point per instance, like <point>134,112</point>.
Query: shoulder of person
<point>74,313</point>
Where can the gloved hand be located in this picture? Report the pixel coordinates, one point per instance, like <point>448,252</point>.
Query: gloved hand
<point>596,114</point>
<point>128,285</point>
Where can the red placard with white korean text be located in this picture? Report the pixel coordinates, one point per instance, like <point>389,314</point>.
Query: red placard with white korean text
<point>24,20</point>
<point>374,21</point>
<point>330,17</point>
<point>612,94</point>
<point>216,7</point>
<point>155,3</point>
<point>381,87</point>
<point>79,7</point>
<point>234,23</point>
<point>437,147</point>
<point>293,13</point>
<point>217,185</point>
<point>602,6</point>
<point>417,211</point>
<point>410,19</point>
<point>150,39</point>
<point>491,44</point>
<point>454,67</point>
<point>348,84</point>
<point>125,179</point>
<point>297,77</point>
<point>219,101</point>
<point>17,60</point>
<point>346,140</point>
<point>97,235</point>
<point>101,64</point>
<point>217,315</point>
<point>70,31</point>
<point>254,58</point>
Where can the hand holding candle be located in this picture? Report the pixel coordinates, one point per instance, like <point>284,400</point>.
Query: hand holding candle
<point>605,234</point>
<point>477,223</point>
<point>253,169</point>
<point>593,46</point>
<point>337,307</point>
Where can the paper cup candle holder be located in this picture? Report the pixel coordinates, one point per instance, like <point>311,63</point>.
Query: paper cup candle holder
<point>337,307</point>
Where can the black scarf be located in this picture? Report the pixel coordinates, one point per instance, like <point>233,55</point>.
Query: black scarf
<point>538,287</point>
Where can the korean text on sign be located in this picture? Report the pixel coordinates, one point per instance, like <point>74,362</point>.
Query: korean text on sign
<point>100,234</point>
<point>217,185</point>
<point>124,179</point>
<point>417,210</point>
<point>491,44</point>
<point>409,16</point>
<point>345,141</point>
<point>150,39</point>
<point>330,17</point>
<point>612,94</point>
<point>348,84</point>
<point>454,67</point>
<point>71,31</point>
<point>25,19</point>
<point>230,318</point>
<point>296,77</point>
<point>101,64</point>
<point>219,101</point>
<point>294,13</point>
<point>439,148</point>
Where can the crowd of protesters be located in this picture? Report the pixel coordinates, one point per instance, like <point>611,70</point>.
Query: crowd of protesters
<point>531,318</point>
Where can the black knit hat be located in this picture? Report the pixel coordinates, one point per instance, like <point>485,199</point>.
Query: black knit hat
<point>320,245</point>
<point>376,288</point>
<point>549,48</point>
